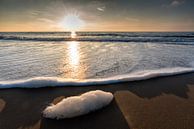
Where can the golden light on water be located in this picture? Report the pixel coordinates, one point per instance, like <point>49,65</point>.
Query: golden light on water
<point>73,53</point>
<point>74,67</point>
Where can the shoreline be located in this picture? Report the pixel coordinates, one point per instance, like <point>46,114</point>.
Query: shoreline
<point>163,102</point>
<point>41,82</point>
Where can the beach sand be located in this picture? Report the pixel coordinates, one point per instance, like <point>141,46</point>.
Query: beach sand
<point>159,103</point>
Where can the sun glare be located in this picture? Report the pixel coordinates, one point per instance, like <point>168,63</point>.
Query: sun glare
<point>73,34</point>
<point>72,23</point>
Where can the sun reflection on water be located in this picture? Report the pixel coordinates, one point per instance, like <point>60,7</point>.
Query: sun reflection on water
<point>73,53</point>
<point>74,67</point>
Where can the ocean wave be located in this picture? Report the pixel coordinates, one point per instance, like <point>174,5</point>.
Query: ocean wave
<point>167,40</point>
<point>122,34</point>
<point>38,82</point>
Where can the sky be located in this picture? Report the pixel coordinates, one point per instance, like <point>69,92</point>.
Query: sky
<point>98,15</point>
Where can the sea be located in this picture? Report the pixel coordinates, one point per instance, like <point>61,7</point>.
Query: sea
<point>41,59</point>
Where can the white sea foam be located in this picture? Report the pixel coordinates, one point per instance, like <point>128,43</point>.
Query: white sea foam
<point>55,81</point>
<point>78,105</point>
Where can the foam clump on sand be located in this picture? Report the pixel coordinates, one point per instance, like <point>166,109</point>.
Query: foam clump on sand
<point>78,105</point>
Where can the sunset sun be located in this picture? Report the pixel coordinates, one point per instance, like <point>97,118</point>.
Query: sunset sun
<point>72,23</point>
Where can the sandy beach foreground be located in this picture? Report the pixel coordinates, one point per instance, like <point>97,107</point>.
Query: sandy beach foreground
<point>159,103</point>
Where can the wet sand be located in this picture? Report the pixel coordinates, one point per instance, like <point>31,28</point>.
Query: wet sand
<point>159,103</point>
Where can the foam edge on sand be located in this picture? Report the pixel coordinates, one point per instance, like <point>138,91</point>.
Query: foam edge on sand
<point>78,105</point>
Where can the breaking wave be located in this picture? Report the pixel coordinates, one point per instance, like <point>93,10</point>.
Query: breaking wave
<point>169,38</point>
<point>38,82</point>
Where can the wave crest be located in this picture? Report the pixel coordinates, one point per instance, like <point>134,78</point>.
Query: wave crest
<point>38,82</point>
<point>133,39</point>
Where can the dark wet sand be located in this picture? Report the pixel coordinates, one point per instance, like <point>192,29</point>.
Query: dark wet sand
<point>160,103</point>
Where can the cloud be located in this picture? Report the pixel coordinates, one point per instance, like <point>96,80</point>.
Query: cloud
<point>34,12</point>
<point>45,20</point>
<point>175,3</point>
<point>102,9</point>
<point>78,105</point>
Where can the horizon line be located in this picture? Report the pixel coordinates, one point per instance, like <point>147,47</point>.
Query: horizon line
<point>85,31</point>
